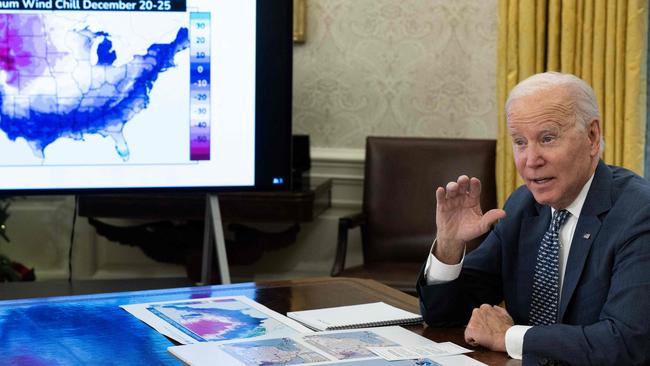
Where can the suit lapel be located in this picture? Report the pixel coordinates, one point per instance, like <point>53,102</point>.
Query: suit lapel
<point>598,201</point>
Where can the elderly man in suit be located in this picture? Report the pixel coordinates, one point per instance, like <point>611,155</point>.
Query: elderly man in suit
<point>570,254</point>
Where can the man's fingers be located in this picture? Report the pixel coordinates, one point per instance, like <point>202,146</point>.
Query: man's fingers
<point>463,184</point>
<point>475,188</point>
<point>475,319</point>
<point>469,337</point>
<point>451,190</point>
<point>461,187</point>
<point>471,331</point>
<point>501,310</point>
<point>440,195</point>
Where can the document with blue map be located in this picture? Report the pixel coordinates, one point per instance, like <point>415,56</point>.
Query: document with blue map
<point>343,347</point>
<point>215,319</point>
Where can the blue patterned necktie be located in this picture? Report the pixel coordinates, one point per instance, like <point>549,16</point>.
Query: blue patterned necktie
<point>546,289</point>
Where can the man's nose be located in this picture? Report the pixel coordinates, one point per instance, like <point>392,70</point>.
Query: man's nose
<point>533,156</point>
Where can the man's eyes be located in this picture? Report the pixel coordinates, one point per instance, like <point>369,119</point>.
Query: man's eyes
<point>548,138</point>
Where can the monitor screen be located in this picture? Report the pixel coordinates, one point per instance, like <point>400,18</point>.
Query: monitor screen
<point>113,95</point>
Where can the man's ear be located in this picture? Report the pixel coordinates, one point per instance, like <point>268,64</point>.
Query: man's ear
<point>593,133</point>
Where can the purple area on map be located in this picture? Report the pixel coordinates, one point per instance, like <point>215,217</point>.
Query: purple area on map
<point>205,327</point>
<point>22,47</point>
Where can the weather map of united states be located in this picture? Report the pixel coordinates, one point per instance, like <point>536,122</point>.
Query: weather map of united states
<point>62,77</point>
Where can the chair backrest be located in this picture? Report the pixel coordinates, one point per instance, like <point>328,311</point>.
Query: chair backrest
<point>401,176</point>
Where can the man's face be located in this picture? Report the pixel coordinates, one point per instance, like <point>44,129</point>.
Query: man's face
<point>553,154</point>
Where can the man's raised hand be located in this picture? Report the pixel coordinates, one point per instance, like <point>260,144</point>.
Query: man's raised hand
<point>459,218</point>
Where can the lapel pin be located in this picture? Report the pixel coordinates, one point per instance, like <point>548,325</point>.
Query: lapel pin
<point>586,236</point>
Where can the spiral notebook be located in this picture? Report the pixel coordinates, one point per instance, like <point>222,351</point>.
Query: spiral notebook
<point>375,314</point>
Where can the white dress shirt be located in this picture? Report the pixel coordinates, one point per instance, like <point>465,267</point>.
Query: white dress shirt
<point>437,272</point>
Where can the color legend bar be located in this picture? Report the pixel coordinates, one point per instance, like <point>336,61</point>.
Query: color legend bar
<point>200,86</point>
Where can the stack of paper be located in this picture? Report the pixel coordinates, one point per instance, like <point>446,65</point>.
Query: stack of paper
<point>355,316</point>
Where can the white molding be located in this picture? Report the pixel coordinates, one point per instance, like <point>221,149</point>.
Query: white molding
<point>337,163</point>
<point>346,168</point>
<point>323,154</point>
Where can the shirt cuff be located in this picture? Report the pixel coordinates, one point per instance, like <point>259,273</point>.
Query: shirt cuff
<point>437,272</point>
<point>515,340</point>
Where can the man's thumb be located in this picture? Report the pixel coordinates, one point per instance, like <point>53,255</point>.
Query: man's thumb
<point>491,217</point>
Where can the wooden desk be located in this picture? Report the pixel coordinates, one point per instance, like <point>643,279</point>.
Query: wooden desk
<point>92,329</point>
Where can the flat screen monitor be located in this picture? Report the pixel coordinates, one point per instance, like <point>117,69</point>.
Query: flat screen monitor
<point>132,95</point>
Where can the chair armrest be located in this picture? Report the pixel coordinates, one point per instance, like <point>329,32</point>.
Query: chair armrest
<point>345,223</point>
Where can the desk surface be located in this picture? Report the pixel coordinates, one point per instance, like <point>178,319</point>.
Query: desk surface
<point>93,329</point>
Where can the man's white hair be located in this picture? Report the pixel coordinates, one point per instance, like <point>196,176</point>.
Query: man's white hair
<point>586,104</point>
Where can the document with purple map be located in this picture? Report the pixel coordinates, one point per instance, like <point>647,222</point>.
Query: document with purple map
<point>215,319</point>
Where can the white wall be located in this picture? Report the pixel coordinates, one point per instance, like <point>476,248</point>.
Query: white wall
<point>399,68</point>
<point>369,67</point>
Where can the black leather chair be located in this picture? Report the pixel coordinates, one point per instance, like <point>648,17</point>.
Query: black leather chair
<point>398,217</point>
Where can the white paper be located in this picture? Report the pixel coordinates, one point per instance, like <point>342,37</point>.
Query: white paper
<point>406,353</point>
<point>214,319</point>
<point>363,315</point>
<point>453,348</point>
<point>458,360</point>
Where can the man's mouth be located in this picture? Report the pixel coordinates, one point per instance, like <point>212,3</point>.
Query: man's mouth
<point>541,180</point>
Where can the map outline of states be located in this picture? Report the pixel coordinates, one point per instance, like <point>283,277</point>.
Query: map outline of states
<point>43,118</point>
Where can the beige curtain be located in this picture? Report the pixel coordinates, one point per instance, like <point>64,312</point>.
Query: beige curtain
<point>601,41</point>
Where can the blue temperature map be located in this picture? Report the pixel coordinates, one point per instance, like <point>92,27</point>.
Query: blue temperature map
<point>56,84</point>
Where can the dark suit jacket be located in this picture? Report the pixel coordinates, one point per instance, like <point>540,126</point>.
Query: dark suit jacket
<point>605,302</point>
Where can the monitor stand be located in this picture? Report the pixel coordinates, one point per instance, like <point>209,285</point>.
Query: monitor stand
<point>212,229</point>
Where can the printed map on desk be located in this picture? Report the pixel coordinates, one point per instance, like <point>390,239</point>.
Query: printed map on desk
<point>215,319</point>
<point>270,352</point>
<point>347,345</point>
